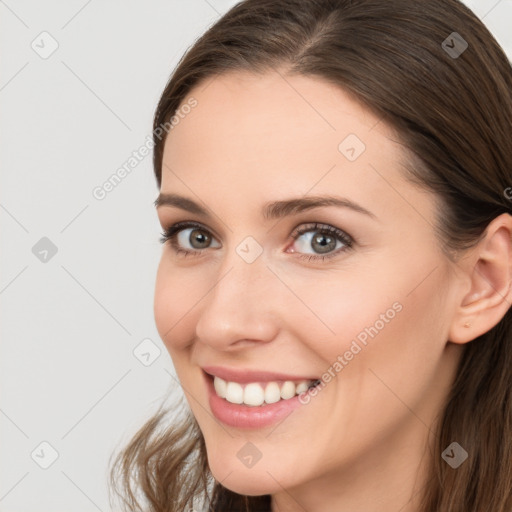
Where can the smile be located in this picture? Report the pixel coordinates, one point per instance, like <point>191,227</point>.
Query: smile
<point>259,393</point>
<point>253,399</point>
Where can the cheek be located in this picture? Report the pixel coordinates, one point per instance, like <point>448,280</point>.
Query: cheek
<point>349,305</point>
<point>177,293</point>
<point>383,317</point>
<point>401,337</point>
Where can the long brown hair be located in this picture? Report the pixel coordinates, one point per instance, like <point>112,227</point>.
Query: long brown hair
<point>451,106</point>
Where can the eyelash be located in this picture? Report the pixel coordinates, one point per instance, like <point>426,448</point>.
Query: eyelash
<point>169,236</point>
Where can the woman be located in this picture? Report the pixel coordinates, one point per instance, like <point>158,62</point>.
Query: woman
<point>334,288</point>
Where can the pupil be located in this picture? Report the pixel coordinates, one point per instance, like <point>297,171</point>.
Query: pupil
<point>325,243</point>
<point>199,237</point>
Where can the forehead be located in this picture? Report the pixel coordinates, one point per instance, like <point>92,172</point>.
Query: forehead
<point>269,135</point>
<point>275,111</point>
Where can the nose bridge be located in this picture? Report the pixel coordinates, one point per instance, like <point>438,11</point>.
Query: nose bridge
<point>239,305</point>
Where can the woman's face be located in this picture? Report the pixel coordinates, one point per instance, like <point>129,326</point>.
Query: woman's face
<point>254,302</point>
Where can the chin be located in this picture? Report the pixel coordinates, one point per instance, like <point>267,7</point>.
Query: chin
<point>255,481</point>
<point>251,484</point>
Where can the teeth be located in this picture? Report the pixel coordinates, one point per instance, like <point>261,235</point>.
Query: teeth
<point>254,394</point>
<point>303,386</point>
<point>272,393</point>
<point>220,387</point>
<point>288,390</point>
<point>234,393</point>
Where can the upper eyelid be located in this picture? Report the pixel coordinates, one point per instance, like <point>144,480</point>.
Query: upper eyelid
<point>185,224</point>
<point>297,231</point>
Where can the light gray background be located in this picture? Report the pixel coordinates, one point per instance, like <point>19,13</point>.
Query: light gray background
<point>69,325</point>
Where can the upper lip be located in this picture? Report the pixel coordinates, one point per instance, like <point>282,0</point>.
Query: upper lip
<point>244,376</point>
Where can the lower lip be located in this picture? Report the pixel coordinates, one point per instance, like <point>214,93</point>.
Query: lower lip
<point>245,416</point>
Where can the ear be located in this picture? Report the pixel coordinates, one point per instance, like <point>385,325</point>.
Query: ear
<point>488,269</point>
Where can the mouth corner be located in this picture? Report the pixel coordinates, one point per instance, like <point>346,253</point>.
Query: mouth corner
<point>208,375</point>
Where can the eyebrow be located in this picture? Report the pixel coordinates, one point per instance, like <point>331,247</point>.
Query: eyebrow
<point>273,210</point>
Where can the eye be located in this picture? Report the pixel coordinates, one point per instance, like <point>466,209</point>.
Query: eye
<point>323,240</point>
<point>188,238</point>
<point>191,239</point>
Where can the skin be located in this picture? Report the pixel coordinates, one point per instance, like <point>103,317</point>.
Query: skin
<point>362,443</point>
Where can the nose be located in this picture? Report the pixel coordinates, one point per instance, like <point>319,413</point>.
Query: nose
<point>241,308</point>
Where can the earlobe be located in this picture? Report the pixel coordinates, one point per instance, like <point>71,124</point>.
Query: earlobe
<point>489,269</point>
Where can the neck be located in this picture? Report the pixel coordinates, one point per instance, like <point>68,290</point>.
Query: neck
<point>389,478</point>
